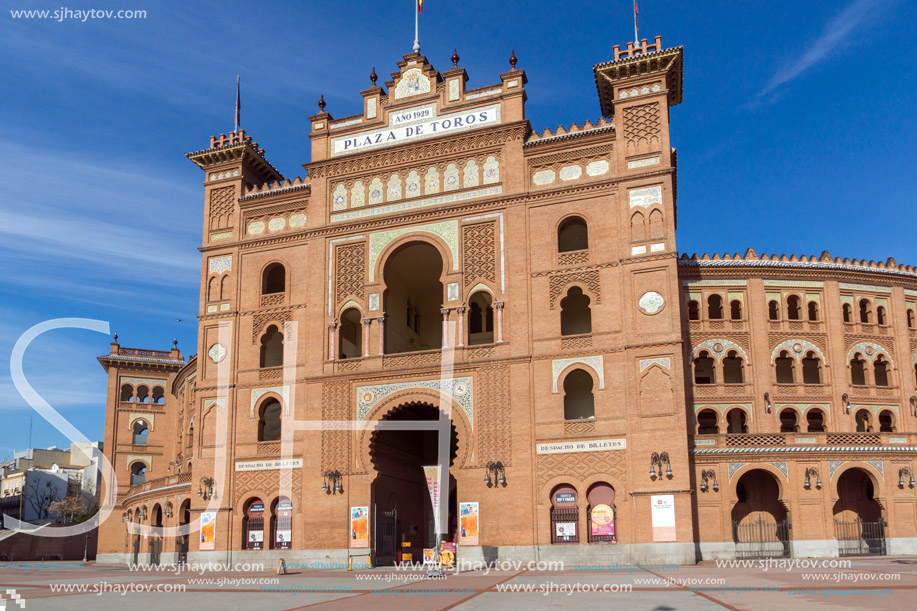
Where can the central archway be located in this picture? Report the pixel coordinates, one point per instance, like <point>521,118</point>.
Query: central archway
<point>401,503</point>
<point>413,298</point>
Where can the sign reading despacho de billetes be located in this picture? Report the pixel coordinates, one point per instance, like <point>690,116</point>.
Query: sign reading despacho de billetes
<point>583,445</point>
<point>267,465</point>
<point>416,124</point>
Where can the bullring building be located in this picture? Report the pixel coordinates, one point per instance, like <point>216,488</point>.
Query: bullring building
<point>608,398</point>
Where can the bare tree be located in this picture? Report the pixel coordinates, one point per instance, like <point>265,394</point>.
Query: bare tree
<point>68,508</point>
<point>41,496</point>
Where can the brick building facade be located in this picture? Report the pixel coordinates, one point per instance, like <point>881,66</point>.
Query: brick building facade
<point>608,399</point>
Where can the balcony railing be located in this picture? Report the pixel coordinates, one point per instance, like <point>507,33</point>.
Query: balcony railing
<point>803,439</point>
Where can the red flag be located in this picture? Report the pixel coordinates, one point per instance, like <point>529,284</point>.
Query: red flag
<point>636,12</point>
<point>420,6</point>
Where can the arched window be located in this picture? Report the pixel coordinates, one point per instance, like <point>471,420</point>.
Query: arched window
<point>793,309</point>
<point>857,370</point>
<point>138,473</point>
<point>863,420</point>
<point>579,403</point>
<point>788,421</point>
<point>773,310</point>
<point>573,234</point>
<point>715,307</point>
<point>269,421</point>
<point>815,421</point>
<point>704,372</point>
<point>637,228</point>
<point>141,430</point>
<point>273,279</point>
<point>224,288</point>
<point>708,422</point>
<point>911,321</point>
<point>601,513</point>
<point>272,347</point>
<point>880,315</point>
<point>811,369</point>
<point>143,394</point>
<point>657,229</point>
<point>351,335</point>
<point>813,311</point>
<point>213,289</point>
<point>735,310</point>
<point>786,368</point>
<point>413,298</point>
<point>735,420</point>
<point>865,311</point>
<point>159,395</point>
<point>693,310</point>
<point>127,393</point>
<point>564,515</point>
<point>733,369</point>
<point>575,315</point>
<point>848,313</point>
<point>886,421</point>
<point>880,367</point>
<point>480,319</point>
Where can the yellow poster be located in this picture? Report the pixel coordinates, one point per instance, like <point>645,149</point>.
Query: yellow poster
<point>468,524</point>
<point>359,527</point>
<point>208,530</point>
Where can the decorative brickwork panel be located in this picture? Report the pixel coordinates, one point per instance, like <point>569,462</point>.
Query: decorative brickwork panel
<point>222,203</point>
<point>641,127</point>
<point>853,439</point>
<point>272,300</point>
<point>270,373</point>
<point>262,318</point>
<point>577,342</point>
<point>493,423</point>
<point>581,465</point>
<point>579,257</point>
<point>246,483</point>
<point>411,360</point>
<point>755,441</point>
<point>579,427</point>
<point>351,265</point>
<point>478,244</point>
<point>336,444</point>
<point>589,278</point>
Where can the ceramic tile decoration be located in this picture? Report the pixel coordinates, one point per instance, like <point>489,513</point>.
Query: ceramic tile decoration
<point>637,250</point>
<point>371,106</point>
<point>869,350</point>
<point>339,198</point>
<point>357,194</point>
<point>491,171</point>
<point>543,177</point>
<point>256,227</point>
<point>412,184</point>
<point>571,172</point>
<point>452,291</point>
<point>646,197</point>
<point>297,220</point>
<point>283,391</point>
<point>454,85</point>
<point>277,223</point>
<point>413,82</point>
<point>431,181</point>
<point>864,287</point>
<point>797,348</point>
<point>651,302</point>
<point>597,168</point>
<point>646,162</point>
<point>223,235</point>
<point>596,363</point>
<point>662,361</point>
<point>461,390</point>
<point>794,283</point>
<point>217,353</point>
<point>376,195</point>
<point>374,302</point>
<point>414,204</point>
<point>218,265</point>
<point>451,178</point>
<point>470,174</point>
<point>719,348</point>
<point>393,191</point>
<point>447,230</point>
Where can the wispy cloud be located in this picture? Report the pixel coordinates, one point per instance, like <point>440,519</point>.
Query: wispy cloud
<point>834,37</point>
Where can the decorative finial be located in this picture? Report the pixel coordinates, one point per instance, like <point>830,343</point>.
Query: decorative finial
<point>455,57</point>
<point>513,60</point>
<point>175,342</point>
<point>116,336</point>
<point>373,76</point>
<point>321,103</point>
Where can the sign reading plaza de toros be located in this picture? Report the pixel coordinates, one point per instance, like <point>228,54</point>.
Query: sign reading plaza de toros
<point>416,124</point>
<point>582,445</point>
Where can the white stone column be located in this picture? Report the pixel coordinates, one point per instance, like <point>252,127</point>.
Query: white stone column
<point>498,306</point>
<point>461,326</point>
<point>366,323</point>
<point>381,321</point>
<point>445,313</point>
<point>332,341</point>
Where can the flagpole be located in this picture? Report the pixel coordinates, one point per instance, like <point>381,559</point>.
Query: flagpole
<point>416,27</point>
<point>238,103</point>
<point>636,34</point>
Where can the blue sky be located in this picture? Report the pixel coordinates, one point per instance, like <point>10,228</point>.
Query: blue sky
<point>795,135</point>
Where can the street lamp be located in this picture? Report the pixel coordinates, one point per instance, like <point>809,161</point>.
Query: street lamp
<point>206,488</point>
<point>656,461</point>
<point>335,478</point>
<point>499,474</point>
<point>708,475</point>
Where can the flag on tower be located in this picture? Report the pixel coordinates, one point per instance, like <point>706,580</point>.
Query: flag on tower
<point>238,105</point>
<point>420,6</point>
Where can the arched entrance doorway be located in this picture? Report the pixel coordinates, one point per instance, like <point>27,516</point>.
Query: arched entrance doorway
<point>184,518</point>
<point>156,538</point>
<point>402,511</point>
<point>760,528</point>
<point>413,299</point>
<point>858,523</point>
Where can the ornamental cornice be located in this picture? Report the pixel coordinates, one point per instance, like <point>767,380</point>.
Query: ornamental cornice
<point>574,270</point>
<point>841,450</point>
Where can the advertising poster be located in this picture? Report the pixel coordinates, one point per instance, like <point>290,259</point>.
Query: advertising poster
<point>468,524</point>
<point>359,527</point>
<point>429,555</point>
<point>663,513</point>
<point>432,475</point>
<point>565,529</point>
<point>603,520</point>
<point>256,538</point>
<point>208,530</point>
<point>283,538</point>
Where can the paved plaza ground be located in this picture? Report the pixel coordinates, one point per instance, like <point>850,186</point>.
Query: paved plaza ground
<point>868,583</point>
